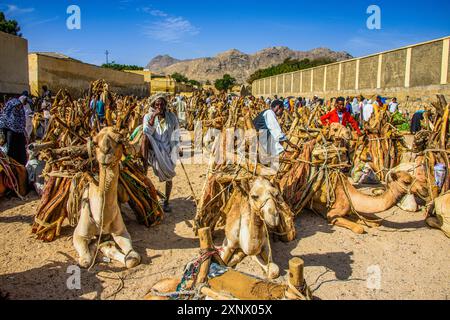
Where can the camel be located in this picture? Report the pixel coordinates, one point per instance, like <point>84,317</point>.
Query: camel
<point>245,230</point>
<point>100,212</point>
<point>441,218</point>
<point>366,206</point>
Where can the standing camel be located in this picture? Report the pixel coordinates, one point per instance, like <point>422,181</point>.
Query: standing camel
<point>100,213</point>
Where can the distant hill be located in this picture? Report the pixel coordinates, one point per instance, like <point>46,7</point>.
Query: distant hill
<point>236,63</point>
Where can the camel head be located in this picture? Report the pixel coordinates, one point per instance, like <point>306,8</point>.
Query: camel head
<point>407,182</point>
<point>263,198</point>
<point>109,146</point>
<point>337,131</point>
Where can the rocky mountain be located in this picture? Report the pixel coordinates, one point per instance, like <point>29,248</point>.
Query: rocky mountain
<point>158,63</point>
<point>236,63</point>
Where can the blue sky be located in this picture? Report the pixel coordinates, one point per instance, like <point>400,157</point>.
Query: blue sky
<point>134,31</point>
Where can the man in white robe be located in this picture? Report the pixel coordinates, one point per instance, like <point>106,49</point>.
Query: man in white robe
<point>161,128</point>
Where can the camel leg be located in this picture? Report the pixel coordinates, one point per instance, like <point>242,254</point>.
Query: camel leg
<point>109,250</point>
<point>271,269</point>
<point>82,235</point>
<point>123,239</point>
<point>336,217</point>
<point>237,257</point>
<point>369,222</point>
<point>228,250</point>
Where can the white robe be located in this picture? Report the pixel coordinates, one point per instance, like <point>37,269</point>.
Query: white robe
<point>164,143</point>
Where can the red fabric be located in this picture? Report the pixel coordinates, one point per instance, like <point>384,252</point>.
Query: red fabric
<point>332,117</point>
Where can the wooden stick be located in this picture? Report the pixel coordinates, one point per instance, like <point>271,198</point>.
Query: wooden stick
<point>189,182</point>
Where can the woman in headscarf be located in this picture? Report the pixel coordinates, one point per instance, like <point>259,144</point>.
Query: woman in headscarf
<point>161,128</point>
<point>13,124</point>
<point>356,111</point>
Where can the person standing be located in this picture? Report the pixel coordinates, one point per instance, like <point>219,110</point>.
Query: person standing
<point>270,133</point>
<point>341,115</point>
<point>368,110</point>
<point>28,114</point>
<point>180,107</point>
<point>46,93</point>
<point>13,123</point>
<point>393,106</point>
<point>98,106</point>
<point>356,111</point>
<point>418,116</point>
<point>161,128</point>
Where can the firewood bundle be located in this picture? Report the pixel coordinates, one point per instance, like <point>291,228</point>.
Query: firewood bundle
<point>69,154</point>
<point>433,144</point>
<point>230,172</point>
<point>312,168</point>
<point>382,147</point>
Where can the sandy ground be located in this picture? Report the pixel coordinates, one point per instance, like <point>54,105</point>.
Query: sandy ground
<point>412,260</point>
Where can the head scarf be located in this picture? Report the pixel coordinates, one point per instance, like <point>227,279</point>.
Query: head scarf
<point>12,117</point>
<point>153,101</point>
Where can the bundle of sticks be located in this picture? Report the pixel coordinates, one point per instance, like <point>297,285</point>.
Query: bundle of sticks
<point>233,162</point>
<point>68,152</point>
<point>432,144</point>
<point>313,167</point>
<point>382,147</point>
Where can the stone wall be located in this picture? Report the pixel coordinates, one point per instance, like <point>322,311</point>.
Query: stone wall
<point>75,76</point>
<point>415,73</point>
<point>13,64</point>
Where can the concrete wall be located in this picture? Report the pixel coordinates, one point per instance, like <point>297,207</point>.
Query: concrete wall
<point>416,72</point>
<point>13,64</point>
<point>75,76</point>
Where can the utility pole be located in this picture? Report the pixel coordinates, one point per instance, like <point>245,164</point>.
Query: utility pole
<point>107,53</point>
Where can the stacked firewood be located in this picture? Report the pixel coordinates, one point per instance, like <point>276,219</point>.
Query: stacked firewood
<point>382,147</point>
<point>68,152</point>
<point>232,165</point>
<point>433,144</point>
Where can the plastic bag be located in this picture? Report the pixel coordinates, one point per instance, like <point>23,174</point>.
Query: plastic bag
<point>408,203</point>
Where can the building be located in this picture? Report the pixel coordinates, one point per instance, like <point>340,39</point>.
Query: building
<point>13,64</point>
<point>159,83</point>
<point>58,71</point>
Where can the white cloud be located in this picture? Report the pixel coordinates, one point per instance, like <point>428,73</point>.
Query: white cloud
<point>39,22</point>
<point>168,28</point>
<point>158,13</point>
<point>15,10</point>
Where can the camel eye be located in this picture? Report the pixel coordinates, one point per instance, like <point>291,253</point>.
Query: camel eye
<point>255,197</point>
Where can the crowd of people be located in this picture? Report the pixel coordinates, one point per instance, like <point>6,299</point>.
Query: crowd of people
<point>168,113</point>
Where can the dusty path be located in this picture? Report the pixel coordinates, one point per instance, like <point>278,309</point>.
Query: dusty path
<point>413,259</point>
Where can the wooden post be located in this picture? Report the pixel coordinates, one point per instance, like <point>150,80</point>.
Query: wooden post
<point>206,243</point>
<point>296,272</point>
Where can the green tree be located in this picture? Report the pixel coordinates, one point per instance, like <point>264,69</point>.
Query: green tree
<point>194,83</point>
<point>178,77</point>
<point>288,65</point>
<point>120,67</point>
<point>9,26</point>
<point>226,83</point>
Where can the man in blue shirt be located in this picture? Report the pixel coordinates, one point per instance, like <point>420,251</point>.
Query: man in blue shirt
<point>99,108</point>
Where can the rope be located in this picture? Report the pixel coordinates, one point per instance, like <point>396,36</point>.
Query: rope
<point>101,223</point>
<point>13,184</point>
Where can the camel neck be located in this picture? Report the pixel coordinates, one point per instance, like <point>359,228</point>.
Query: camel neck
<point>372,204</point>
<point>108,179</point>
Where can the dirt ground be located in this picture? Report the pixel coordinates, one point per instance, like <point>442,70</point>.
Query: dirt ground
<point>412,261</point>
